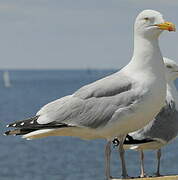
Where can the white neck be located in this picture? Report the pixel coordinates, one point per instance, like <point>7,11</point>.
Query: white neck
<point>172,93</point>
<point>147,53</point>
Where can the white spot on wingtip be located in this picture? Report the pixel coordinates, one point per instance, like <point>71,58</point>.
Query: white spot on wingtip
<point>22,123</point>
<point>7,125</point>
<point>31,122</point>
<point>5,134</point>
<point>14,125</point>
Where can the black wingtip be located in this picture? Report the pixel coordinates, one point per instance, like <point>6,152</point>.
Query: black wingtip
<point>22,123</point>
<point>12,132</point>
<point>6,133</point>
<point>130,140</point>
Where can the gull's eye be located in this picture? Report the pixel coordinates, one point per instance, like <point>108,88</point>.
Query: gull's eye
<point>146,19</point>
<point>168,66</point>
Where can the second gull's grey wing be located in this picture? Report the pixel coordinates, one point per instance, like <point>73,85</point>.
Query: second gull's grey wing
<point>163,127</point>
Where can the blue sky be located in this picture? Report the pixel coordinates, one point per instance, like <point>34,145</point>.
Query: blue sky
<point>48,34</point>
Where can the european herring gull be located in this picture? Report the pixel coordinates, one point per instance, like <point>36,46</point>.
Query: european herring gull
<point>115,105</point>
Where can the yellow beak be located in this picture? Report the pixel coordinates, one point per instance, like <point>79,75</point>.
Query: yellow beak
<point>169,26</point>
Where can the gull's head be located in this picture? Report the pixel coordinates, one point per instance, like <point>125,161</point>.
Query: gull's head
<point>171,69</point>
<point>150,24</point>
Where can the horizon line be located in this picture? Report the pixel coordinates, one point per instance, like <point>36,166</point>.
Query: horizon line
<point>55,69</point>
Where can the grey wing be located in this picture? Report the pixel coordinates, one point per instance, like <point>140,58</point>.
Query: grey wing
<point>92,112</point>
<point>108,86</point>
<point>93,105</point>
<point>163,127</point>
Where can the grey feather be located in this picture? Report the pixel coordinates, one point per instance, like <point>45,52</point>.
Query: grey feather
<point>108,86</point>
<point>97,112</point>
<point>164,127</point>
<point>95,105</point>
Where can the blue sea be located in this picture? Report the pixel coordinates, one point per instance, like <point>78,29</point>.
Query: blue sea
<point>60,158</point>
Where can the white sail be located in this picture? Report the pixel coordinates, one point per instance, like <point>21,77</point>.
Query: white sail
<point>6,79</point>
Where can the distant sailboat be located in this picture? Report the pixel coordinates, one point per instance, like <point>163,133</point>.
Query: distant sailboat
<point>6,79</point>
